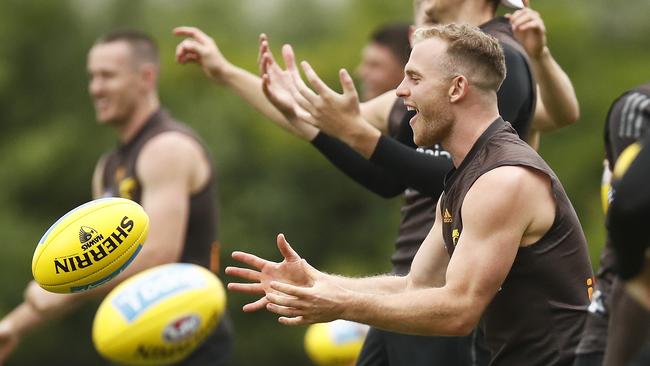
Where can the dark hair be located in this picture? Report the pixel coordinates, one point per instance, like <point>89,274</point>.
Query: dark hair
<point>142,45</point>
<point>395,37</point>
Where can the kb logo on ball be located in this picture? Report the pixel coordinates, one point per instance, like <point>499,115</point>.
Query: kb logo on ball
<point>182,328</point>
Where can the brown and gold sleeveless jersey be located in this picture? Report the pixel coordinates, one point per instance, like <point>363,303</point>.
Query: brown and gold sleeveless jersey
<point>537,316</point>
<point>516,98</point>
<point>120,179</point>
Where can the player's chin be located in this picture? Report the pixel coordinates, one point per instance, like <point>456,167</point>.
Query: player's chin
<point>420,138</point>
<point>105,117</point>
<point>102,117</point>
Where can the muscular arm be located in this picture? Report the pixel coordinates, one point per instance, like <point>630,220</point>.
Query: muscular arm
<point>431,261</point>
<point>198,47</point>
<point>482,259</point>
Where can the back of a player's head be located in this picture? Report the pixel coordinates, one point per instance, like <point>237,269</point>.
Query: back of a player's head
<point>470,52</point>
<point>395,37</point>
<point>143,47</point>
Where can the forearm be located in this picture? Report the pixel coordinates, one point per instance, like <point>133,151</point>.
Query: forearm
<point>393,166</point>
<point>556,92</point>
<point>363,138</point>
<point>379,285</point>
<point>423,171</point>
<point>358,168</point>
<point>430,311</point>
<point>24,318</point>
<point>249,87</point>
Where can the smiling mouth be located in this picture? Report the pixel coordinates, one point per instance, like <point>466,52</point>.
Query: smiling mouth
<point>415,116</point>
<point>101,103</point>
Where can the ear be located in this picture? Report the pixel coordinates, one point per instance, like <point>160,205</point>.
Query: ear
<point>149,75</point>
<point>411,32</point>
<point>458,89</point>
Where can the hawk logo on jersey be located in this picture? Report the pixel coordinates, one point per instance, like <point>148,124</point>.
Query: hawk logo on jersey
<point>455,234</point>
<point>128,187</point>
<point>446,217</point>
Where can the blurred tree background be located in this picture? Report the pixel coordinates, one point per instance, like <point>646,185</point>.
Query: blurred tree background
<point>269,182</point>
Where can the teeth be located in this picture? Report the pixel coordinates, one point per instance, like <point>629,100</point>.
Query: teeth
<point>409,108</point>
<point>101,102</point>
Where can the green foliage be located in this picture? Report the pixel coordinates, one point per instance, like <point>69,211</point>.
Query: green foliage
<point>269,182</point>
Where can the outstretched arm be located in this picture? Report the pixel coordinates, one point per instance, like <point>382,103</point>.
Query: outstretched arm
<point>199,48</point>
<point>557,104</point>
<point>295,270</point>
<point>14,325</point>
<point>481,261</point>
<point>339,116</point>
<point>394,165</point>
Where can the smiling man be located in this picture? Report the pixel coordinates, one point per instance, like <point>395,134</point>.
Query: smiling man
<point>506,251</point>
<point>159,163</point>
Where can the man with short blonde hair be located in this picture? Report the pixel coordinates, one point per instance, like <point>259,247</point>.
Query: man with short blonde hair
<point>479,56</point>
<point>506,251</point>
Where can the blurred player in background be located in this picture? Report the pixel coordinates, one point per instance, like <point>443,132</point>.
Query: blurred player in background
<point>383,59</point>
<point>617,325</point>
<point>630,241</point>
<point>159,163</point>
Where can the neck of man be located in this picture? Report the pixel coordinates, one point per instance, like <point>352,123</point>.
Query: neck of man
<point>471,121</point>
<point>127,130</point>
<point>472,12</point>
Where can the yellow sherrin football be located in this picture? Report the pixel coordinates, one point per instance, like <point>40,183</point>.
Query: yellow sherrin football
<point>159,316</point>
<point>90,245</point>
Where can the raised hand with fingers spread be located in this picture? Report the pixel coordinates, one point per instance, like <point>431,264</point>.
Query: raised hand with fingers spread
<point>279,89</point>
<point>200,48</point>
<point>336,114</point>
<point>292,270</point>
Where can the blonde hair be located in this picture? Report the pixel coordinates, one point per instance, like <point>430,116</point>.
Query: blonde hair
<point>470,52</point>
